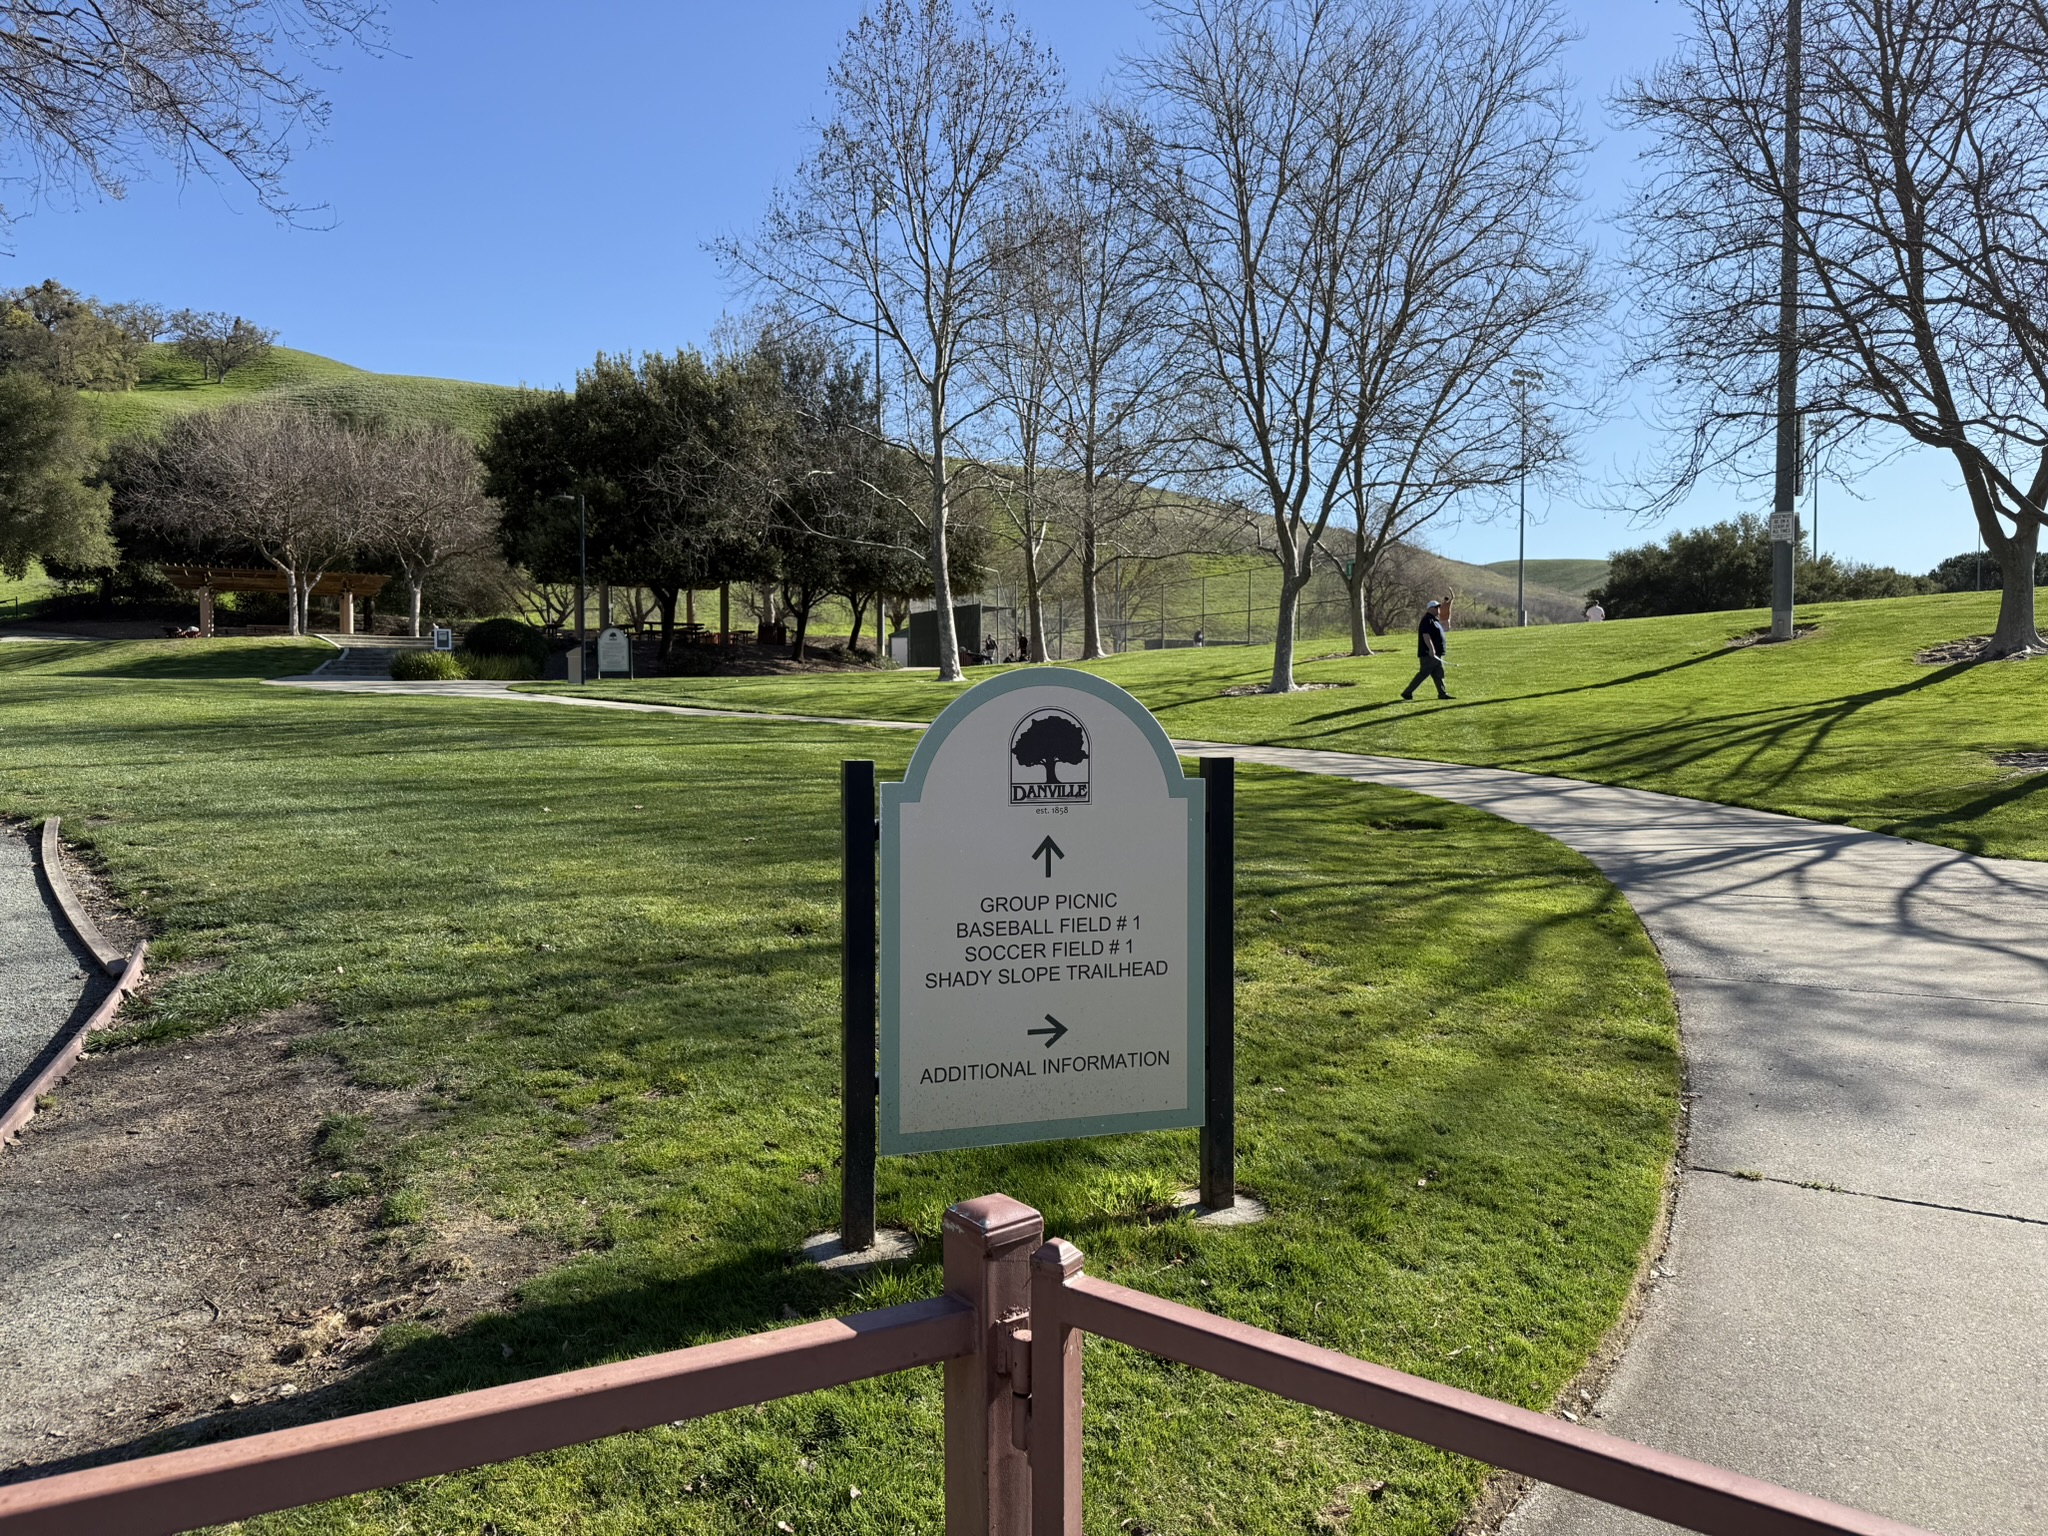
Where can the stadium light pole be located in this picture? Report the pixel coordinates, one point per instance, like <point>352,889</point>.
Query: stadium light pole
<point>1784,502</point>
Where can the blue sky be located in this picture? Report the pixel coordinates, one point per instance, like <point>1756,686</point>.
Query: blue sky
<point>518,185</point>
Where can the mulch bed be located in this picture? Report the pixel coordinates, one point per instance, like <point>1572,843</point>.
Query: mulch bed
<point>1762,636</point>
<point>1247,690</point>
<point>1969,648</point>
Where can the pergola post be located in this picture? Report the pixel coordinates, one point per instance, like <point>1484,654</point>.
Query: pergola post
<point>345,601</point>
<point>206,613</point>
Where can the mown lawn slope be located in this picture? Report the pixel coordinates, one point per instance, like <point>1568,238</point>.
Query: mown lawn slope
<point>595,958</point>
<point>1841,725</point>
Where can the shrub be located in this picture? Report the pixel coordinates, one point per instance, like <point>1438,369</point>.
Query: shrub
<point>507,638</point>
<point>426,667</point>
<point>501,669</point>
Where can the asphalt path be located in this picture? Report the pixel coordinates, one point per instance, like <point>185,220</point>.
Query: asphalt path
<point>48,980</point>
<point>1854,1301</point>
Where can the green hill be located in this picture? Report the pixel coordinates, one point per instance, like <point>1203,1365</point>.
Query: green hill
<point>1575,577</point>
<point>1485,585</point>
<point>171,385</point>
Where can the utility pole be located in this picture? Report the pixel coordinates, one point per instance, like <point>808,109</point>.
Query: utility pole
<point>1784,503</point>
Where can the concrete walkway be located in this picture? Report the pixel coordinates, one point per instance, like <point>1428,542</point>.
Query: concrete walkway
<point>47,979</point>
<point>1855,1299</point>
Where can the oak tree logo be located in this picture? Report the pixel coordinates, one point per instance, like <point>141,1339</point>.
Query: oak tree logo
<point>1044,741</point>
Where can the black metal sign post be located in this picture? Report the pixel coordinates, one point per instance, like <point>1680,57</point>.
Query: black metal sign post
<point>1219,960</point>
<point>857,839</point>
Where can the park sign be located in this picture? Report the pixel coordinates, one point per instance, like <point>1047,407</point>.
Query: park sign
<point>1041,922</point>
<point>614,653</point>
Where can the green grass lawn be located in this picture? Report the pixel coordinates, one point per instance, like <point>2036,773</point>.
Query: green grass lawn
<point>596,957</point>
<point>171,385</point>
<point>1842,725</point>
<point>21,599</point>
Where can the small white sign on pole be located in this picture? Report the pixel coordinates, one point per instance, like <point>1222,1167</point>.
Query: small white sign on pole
<point>1784,527</point>
<point>1041,922</point>
<point>444,639</point>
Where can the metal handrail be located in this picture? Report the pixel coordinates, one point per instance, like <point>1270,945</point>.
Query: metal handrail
<point>215,1484</point>
<point>1691,1494</point>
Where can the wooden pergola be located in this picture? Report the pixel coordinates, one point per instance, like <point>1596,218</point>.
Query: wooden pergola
<point>205,580</point>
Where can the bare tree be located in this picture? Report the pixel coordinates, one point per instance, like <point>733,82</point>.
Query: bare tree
<point>888,228</point>
<point>277,483</point>
<point>89,92</point>
<point>1475,275</point>
<point>430,508</point>
<point>1131,415</point>
<point>220,343</point>
<point>1922,224</point>
<point>1018,370</point>
<point>1279,123</point>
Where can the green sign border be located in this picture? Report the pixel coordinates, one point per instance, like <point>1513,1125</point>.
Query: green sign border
<point>894,1141</point>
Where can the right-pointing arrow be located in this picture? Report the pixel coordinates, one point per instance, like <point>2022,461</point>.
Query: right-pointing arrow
<point>1054,1033</point>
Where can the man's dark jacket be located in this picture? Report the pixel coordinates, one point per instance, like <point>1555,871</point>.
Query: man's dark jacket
<point>1429,637</point>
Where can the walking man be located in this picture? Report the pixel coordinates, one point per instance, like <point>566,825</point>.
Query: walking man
<point>1429,650</point>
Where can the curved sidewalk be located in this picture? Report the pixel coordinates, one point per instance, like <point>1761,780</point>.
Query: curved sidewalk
<point>1855,1297</point>
<point>48,979</point>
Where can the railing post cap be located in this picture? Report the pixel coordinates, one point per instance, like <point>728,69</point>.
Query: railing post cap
<point>994,1219</point>
<point>1058,1254</point>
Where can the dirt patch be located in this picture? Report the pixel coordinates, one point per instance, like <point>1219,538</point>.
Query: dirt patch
<point>1248,690</point>
<point>1762,636</point>
<point>163,1265</point>
<point>87,874</point>
<point>2022,762</point>
<point>1969,648</point>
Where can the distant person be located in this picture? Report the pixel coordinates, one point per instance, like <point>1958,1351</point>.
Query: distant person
<point>1595,614</point>
<point>1430,645</point>
<point>1198,639</point>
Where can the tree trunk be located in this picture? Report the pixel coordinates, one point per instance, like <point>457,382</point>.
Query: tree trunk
<point>2017,629</point>
<point>859,604</point>
<point>417,586</point>
<point>291,600</point>
<point>942,572</point>
<point>802,609</point>
<point>665,603</point>
<point>1361,640</point>
<point>1034,602</point>
<point>1283,634</point>
<point>1091,602</point>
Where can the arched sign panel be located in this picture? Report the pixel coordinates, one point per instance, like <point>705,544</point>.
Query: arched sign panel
<point>1041,922</point>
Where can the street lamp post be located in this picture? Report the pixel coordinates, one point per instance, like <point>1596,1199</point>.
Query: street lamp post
<point>1523,380</point>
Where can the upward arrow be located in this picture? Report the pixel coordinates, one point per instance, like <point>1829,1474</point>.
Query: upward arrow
<point>1048,851</point>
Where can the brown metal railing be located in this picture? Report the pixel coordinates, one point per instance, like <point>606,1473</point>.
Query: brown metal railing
<point>213,1484</point>
<point>1009,1332</point>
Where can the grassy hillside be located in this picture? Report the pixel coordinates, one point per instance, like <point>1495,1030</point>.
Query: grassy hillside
<point>1573,576</point>
<point>20,599</point>
<point>1843,725</point>
<point>172,384</point>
